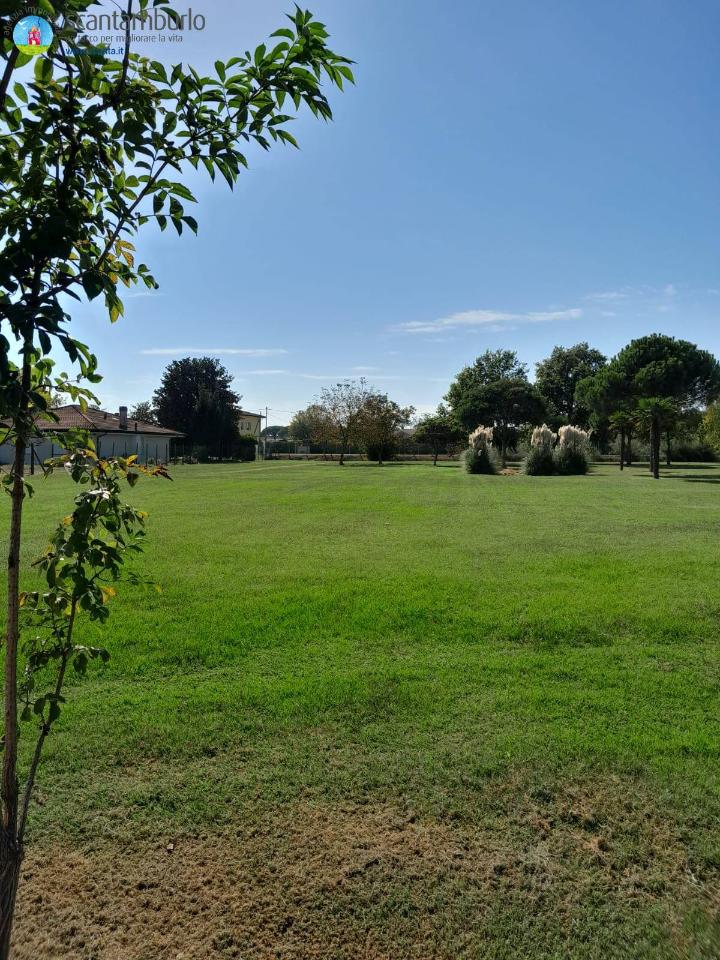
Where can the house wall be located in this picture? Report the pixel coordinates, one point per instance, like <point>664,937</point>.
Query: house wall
<point>250,425</point>
<point>146,446</point>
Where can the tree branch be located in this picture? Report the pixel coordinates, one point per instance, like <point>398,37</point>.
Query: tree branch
<point>5,82</point>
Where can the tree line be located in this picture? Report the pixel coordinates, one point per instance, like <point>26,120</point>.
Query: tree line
<point>657,387</point>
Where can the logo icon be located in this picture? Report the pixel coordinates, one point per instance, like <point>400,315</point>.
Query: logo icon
<point>33,36</point>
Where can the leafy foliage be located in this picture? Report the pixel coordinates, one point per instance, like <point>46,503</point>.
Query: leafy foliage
<point>342,408</point>
<point>312,425</point>
<point>439,430</point>
<point>492,366</point>
<point>91,150</point>
<point>195,398</point>
<point>557,378</point>
<point>380,424</point>
<point>653,380</point>
<point>85,559</point>
<point>144,411</point>
<point>506,404</point>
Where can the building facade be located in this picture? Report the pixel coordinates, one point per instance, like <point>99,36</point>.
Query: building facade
<point>250,424</point>
<point>114,435</point>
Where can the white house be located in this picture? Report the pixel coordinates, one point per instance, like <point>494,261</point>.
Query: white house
<point>112,434</point>
<point>250,424</point>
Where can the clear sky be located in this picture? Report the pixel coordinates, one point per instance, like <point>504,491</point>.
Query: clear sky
<point>512,173</point>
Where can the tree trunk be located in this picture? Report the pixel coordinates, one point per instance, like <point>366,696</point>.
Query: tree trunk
<point>435,456</point>
<point>655,447</point>
<point>668,452</point>
<point>10,860</point>
<point>622,448</point>
<point>628,449</point>
<point>10,852</point>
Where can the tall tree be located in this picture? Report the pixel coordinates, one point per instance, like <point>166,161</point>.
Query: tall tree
<point>610,398</point>
<point>557,378</point>
<point>667,375</point>
<point>504,404</point>
<point>381,421</point>
<point>342,406</point>
<point>439,431</point>
<point>491,366</point>
<point>657,377</point>
<point>195,398</point>
<point>91,149</point>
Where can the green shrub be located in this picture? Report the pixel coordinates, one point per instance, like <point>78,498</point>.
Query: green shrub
<point>539,462</point>
<point>569,461</point>
<point>247,449</point>
<point>693,453</point>
<point>480,461</point>
<point>376,452</point>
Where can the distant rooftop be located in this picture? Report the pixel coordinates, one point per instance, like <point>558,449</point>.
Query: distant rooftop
<point>71,417</point>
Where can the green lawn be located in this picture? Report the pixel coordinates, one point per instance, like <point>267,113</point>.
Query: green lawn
<point>393,712</point>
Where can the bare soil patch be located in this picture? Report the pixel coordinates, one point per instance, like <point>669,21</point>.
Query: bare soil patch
<point>356,881</point>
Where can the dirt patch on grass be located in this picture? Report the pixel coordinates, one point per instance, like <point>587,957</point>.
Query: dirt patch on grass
<point>361,881</point>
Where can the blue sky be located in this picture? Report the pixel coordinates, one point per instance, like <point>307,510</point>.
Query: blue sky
<point>505,174</point>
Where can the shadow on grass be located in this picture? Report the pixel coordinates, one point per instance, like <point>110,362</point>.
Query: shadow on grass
<point>396,463</point>
<point>700,478</point>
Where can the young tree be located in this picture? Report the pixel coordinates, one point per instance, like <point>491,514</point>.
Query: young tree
<point>381,420</point>
<point>92,149</point>
<point>439,431</point>
<point>493,365</point>
<point>610,398</point>
<point>342,407</point>
<point>143,411</point>
<point>558,376</point>
<point>623,422</point>
<point>506,404</point>
<point>195,398</point>
<point>312,426</point>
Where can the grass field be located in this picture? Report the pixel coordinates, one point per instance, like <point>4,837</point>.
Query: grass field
<point>393,712</point>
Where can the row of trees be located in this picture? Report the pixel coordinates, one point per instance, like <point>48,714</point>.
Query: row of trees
<point>652,385</point>
<point>352,414</point>
<point>656,386</point>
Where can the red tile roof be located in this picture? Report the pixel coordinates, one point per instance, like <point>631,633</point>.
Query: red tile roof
<point>71,417</point>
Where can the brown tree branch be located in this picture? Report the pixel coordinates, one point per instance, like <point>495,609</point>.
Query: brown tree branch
<point>7,73</point>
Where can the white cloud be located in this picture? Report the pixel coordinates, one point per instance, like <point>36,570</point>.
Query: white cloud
<point>264,373</point>
<point>608,295</point>
<point>670,290</point>
<point>211,352</point>
<point>366,369</point>
<point>493,320</point>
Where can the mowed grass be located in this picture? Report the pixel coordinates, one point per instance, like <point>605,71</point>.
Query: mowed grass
<point>526,668</point>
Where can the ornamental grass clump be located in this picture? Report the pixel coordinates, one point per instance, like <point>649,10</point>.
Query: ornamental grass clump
<point>539,461</point>
<point>571,453</point>
<point>480,455</point>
